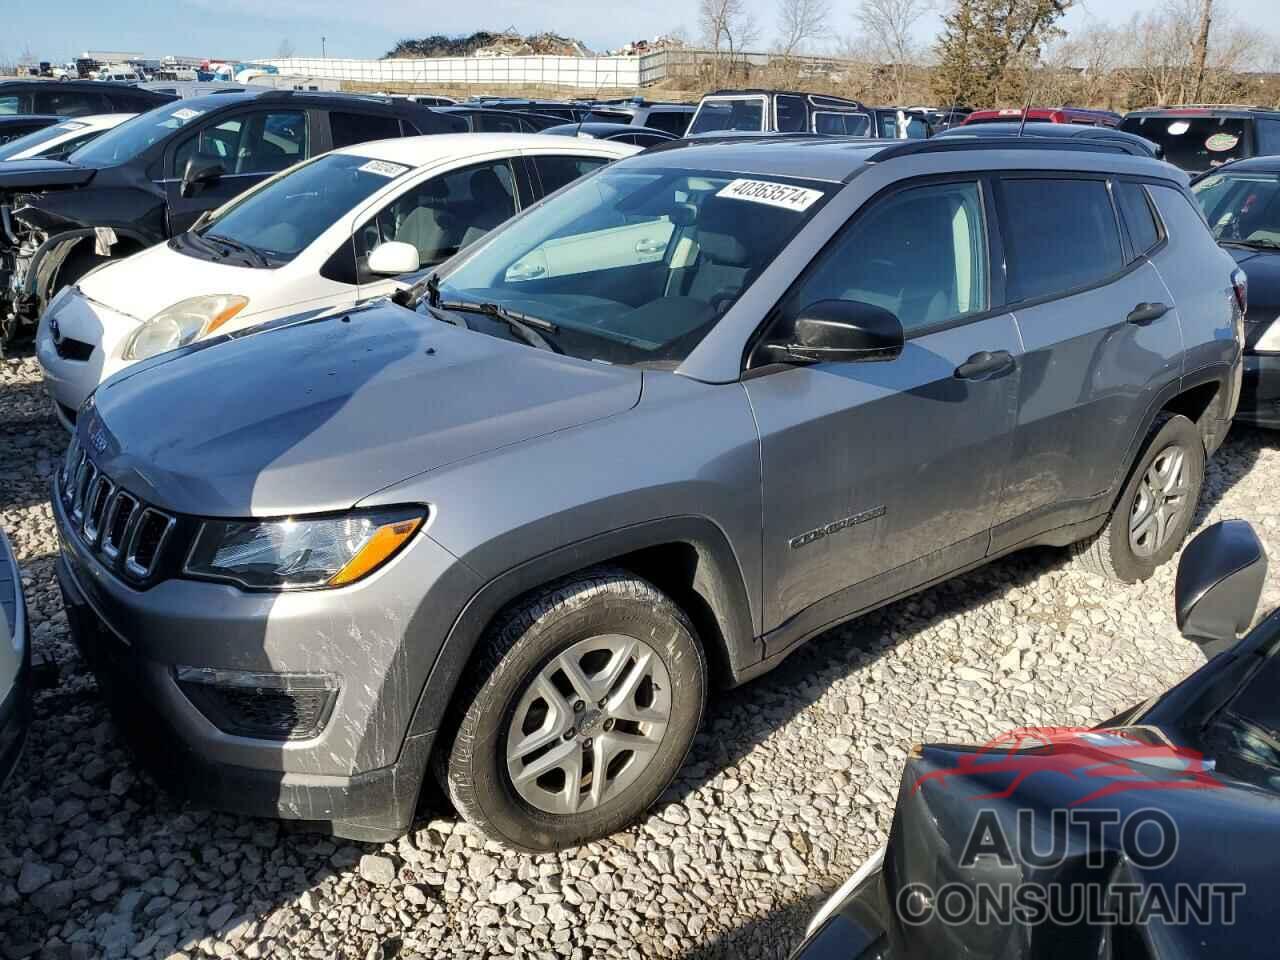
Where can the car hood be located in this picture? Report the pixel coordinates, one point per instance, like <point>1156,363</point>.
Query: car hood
<point>317,414</point>
<point>36,174</point>
<point>130,286</point>
<point>1263,269</point>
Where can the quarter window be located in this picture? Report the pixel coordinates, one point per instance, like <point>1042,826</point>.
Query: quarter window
<point>921,254</point>
<point>1058,235</point>
<point>1138,217</point>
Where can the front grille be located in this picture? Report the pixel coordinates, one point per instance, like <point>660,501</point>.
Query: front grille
<point>127,534</point>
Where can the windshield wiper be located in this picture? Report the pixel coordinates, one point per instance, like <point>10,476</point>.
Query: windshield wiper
<point>522,324</point>
<point>253,252</point>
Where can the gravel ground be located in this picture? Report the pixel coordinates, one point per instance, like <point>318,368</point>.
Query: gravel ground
<point>788,789</point>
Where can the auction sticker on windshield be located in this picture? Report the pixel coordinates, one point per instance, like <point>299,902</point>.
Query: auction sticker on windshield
<point>774,194</point>
<point>185,114</point>
<point>383,168</point>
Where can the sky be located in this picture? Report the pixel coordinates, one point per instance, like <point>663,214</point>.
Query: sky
<point>249,29</point>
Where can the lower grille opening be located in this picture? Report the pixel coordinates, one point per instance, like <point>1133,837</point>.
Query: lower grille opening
<point>265,706</point>
<point>71,349</point>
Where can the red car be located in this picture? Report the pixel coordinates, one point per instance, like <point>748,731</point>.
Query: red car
<point>1094,118</point>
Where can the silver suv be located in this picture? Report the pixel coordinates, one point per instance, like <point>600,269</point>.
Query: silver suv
<point>639,443</point>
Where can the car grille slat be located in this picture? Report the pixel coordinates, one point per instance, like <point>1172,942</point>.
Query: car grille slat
<point>129,535</point>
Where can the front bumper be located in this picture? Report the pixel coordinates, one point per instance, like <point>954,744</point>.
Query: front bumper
<point>78,343</point>
<point>360,775</point>
<point>1260,391</point>
<point>15,701</point>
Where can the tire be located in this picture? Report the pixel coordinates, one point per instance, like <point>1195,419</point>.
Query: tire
<point>637,656</point>
<point>1116,554</point>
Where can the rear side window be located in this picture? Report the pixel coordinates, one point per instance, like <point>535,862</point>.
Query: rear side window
<point>842,124</point>
<point>676,121</point>
<point>349,128</point>
<point>73,104</point>
<point>1268,133</point>
<point>1139,219</point>
<point>556,171</point>
<point>790,114</point>
<point>498,123</point>
<point>1058,235</point>
<point>9,106</point>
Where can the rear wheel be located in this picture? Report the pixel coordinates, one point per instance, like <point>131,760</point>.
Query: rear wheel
<point>584,705</point>
<point>1155,510</point>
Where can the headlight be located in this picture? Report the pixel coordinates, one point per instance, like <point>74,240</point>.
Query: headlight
<point>178,325</point>
<point>1269,342</point>
<point>292,554</point>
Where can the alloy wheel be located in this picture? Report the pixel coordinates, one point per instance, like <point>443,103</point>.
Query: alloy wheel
<point>1161,500</point>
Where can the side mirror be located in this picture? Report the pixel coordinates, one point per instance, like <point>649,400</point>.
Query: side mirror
<point>393,258</point>
<point>198,174</point>
<point>1220,578</point>
<point>842,331</point>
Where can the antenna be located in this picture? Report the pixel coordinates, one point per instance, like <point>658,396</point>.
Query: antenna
<point>1031,97</point>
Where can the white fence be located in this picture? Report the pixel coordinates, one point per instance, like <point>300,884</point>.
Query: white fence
<point>589,72</point>
<point>595,73</point>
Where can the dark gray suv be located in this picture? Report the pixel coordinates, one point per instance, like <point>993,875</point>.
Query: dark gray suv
<point>638,443</point>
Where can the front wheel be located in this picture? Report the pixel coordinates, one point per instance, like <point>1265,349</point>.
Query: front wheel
<point>1156,507</point>
<point>584,705</point>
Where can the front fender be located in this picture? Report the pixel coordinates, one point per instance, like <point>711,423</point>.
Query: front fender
<point>717,580</point>
<point>52,254</point>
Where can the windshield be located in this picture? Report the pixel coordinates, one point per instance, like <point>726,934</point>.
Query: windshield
<point>134,136</point>
<point>746,114</point>
<point>285,215</point>
<point>1242,207</point>
<point>1193,143</point>
<point>637,265</point>
<point>33,140</point>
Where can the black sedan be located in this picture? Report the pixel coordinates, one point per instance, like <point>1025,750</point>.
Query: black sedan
<point>1242,203</point>
<point>624,133</point>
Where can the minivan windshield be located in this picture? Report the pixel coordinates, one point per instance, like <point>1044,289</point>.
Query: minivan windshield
<point>745,114</point>
<point>1192,143</point>
<point>1242,208</point>
<point>636,265</point>
<point>134,136</point>
<point>284,216</point>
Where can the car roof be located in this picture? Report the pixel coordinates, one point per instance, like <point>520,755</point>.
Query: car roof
<point>419,151</point>
<point>1265,164</point>
<point>80,86</point>
<point>1043,130</point>
<point>29,117</point>
<point>1204,110</point>
<point>837,159</point>
<point>603,128</point>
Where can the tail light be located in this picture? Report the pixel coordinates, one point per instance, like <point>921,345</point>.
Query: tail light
<point>1240,283</point>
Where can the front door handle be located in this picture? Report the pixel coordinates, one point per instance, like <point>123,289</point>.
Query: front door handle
<point>985,365</point>
<point>1145,313</point>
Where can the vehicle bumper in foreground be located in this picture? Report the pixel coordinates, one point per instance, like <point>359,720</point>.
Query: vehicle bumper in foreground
<point>15,701</point>
<point>1260,391</point>
<point>77,344</point>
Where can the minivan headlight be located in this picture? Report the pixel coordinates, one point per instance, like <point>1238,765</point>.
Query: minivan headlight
<point>299,553</point>
<point>1269,342</point>
<point>178,325</point>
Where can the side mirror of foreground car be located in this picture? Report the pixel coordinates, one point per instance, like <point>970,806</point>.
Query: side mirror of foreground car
<point>393,258</point>
<point>198,174</point>
<point>1219,582</point>
<point>841,331</point>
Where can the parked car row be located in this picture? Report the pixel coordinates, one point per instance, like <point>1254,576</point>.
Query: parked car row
<point>543,638</point>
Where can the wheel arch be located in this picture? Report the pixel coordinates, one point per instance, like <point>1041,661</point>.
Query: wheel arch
<point>688,558</point>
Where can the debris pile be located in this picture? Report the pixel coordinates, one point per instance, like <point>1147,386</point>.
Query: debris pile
<point>638,48</point>
<point>485,43</point>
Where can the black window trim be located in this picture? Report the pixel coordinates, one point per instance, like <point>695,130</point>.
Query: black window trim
<point>1162,233</point>
<point>1013,306</point>
<point>977,177</point>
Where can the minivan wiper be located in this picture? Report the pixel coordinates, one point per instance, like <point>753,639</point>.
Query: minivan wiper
<point>253,252</point>
<point>524,325</point>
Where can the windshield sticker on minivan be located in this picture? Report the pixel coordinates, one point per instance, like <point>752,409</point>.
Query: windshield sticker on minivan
<point>185,114</point>
<point>383,168</point>
<point>1221,142</point>
<point>773,194</point>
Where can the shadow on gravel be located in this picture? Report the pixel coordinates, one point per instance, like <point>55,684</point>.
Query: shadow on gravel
<point>773,935</point>
<point>1231,464</point>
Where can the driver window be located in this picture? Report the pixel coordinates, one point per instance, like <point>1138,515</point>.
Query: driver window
<point>919,253</point>
<point>442,215</point>
<point>213,144</point>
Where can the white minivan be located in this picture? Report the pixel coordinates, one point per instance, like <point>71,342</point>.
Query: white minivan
<point>330,232</point>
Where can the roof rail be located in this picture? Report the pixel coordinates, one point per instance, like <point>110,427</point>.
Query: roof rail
<point>911,148</point>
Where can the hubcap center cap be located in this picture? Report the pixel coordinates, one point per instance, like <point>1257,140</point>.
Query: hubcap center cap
<point>591,721</point>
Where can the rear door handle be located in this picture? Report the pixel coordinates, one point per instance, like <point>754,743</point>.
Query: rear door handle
<point>985,365</point>
<point>1145,313</point>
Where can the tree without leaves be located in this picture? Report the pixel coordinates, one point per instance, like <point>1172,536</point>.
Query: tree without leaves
<point>987,47</point>
<point>888,34</point>
<point>285,50</point>
<point>1163,68</point>
<point>727,24</point>
<point>800,23</point>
